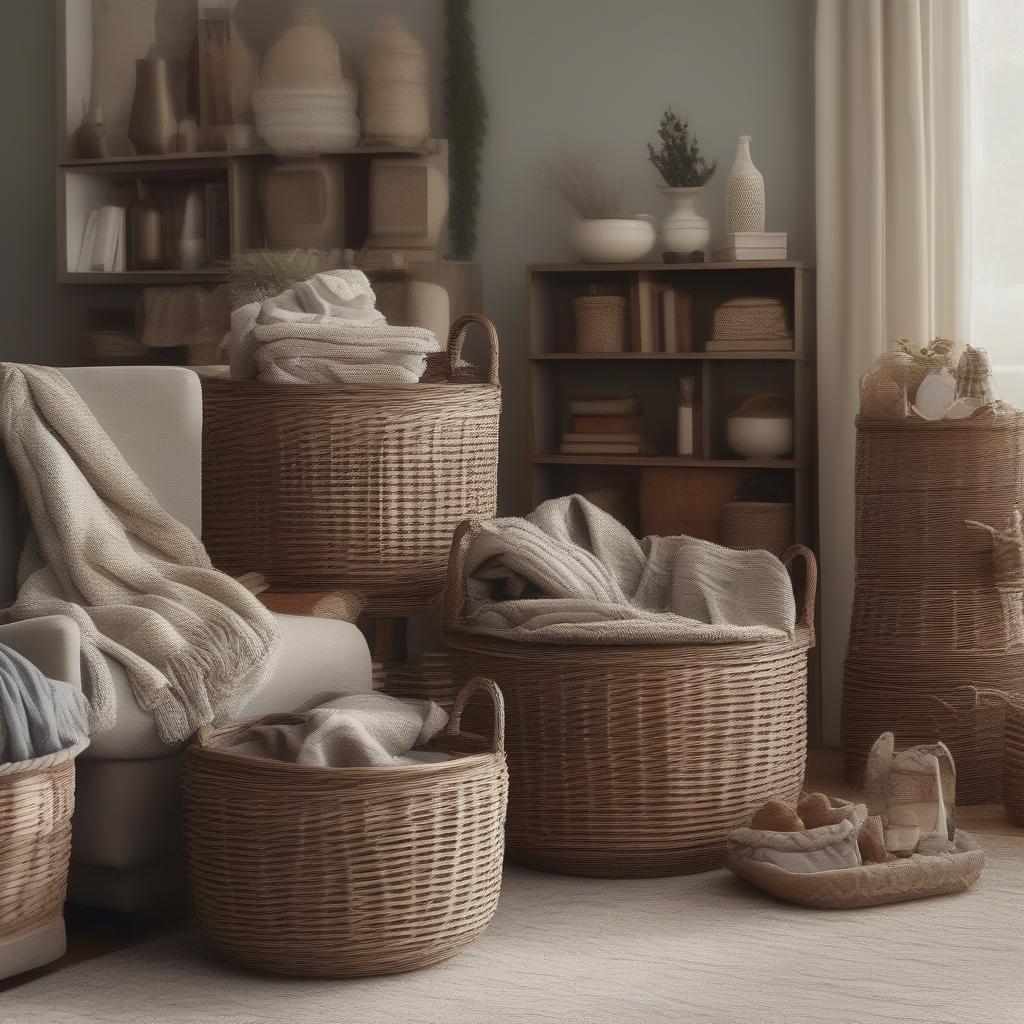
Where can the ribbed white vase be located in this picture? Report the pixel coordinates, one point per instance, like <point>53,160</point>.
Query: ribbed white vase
<point>744,196</point>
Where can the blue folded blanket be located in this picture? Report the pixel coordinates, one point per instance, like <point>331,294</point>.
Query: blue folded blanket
<point>38,716</point>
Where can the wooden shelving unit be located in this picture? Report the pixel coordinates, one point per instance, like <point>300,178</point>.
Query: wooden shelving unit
<point>675,494</point>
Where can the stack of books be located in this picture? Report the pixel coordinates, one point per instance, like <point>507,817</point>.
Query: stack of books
<point>103,241</point>
<point>606,426</point>
<point>429,679</point>
<point>752,245</point>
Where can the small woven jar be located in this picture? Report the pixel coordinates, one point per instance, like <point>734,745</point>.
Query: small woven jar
<point>755,323</point>
<point>396,108</point>
<point>756,526</point>
<point>600,323</point>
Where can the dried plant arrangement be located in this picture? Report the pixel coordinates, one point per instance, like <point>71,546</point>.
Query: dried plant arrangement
<point>678,158</point>
<point>586,188</point>
<point>256,274</point>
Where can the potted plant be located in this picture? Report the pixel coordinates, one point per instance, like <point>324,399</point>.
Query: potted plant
<point>602,232</point>
<point>684,232</point>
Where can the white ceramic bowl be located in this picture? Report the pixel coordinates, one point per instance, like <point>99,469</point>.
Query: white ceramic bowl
<point>757,437</point>
<point>622,240</point>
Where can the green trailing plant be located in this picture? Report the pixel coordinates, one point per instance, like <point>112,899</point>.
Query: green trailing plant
<point>678,158</point>
<point>586,188</point>
<point>466,113</point>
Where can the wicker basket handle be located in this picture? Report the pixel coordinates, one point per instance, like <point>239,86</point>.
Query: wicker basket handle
<point>806,615</point>
<point>455,583</point>
<point>457,335</point>
<point>461,699</point>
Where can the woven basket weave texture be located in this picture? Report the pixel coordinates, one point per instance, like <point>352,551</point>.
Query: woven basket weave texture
<point>346,871</point>
<point>756,525</point>
<point>323,487</point>
<point>600,323</point>
<point>35,846</point>
<point>928,618</point>
<point>638,761</point>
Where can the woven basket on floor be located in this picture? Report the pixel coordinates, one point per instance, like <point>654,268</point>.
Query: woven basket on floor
<point>600,323</point>
<point>638,761</point>
<point>321,487</point>
<point>346,871</point>
<point>756,525</point>
<point>37,799</point>
<point>928,615</point>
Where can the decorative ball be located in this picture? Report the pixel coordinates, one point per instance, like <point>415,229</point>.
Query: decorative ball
<point>776,816</point>
<point>816,810</point>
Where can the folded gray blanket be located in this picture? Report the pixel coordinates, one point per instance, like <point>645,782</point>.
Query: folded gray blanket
<point>571,573</point>
<point>38,716</point>
<point>347,731</point>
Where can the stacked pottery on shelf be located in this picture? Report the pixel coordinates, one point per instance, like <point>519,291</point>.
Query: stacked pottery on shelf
<point>396,108</point>
<point>304,105</point>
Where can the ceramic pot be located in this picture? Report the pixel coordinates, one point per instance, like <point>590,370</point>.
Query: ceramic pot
<point>304,55</point>
<point>396,108</point>
<point>761,428</point>
<point>613,240</point>
<point>744,195</point>
<point>153,124</point>
<point>684,231</point>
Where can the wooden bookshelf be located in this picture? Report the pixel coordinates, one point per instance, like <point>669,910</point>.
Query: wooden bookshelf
<point>692,488</point>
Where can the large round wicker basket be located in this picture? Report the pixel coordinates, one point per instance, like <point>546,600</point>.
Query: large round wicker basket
<point>360,487</point>
<point>929,615</point>
<point>346,871</point>
<point>37,799</point>
<point>638,761</point>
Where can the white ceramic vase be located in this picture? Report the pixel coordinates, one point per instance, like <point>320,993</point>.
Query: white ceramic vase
<point>744,195</point>
<point>684,230</point>
<point>613,240</point>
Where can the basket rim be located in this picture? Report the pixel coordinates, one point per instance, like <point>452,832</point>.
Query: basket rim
<point>968,425</point>
<point>331,390</point>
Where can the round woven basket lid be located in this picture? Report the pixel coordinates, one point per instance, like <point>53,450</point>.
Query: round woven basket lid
<point>599,301</point>
<point>750,318</point>
<point>763,407</point>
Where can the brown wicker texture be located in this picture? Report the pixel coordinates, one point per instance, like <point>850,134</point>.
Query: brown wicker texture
<point>346,871</point>
<point>637,761</point>
<point>928,618</point>
<point>871,885</point>
<point>1013,763</point>
<point>35,846</point>
<point>756,525</point>
<point>600,323</point>
<point>321,487</point>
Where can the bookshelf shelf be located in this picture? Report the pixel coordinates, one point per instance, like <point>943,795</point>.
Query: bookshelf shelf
<point>666,336</point>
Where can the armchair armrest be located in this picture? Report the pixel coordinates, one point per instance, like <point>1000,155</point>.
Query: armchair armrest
<point>52,643</point>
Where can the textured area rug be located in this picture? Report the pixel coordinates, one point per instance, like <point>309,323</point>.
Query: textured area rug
<point>702,948</point>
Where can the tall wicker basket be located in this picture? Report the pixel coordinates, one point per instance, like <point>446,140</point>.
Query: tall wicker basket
<point>637,761</point>
<point>37,799</point>
<point>326,486</point>
<point>347,871</point>
<point>929,614</point>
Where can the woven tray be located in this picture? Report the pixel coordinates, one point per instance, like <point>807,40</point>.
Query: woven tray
<point>872,885</point>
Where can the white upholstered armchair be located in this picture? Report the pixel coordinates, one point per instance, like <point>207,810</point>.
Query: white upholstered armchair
<point>125,852</point>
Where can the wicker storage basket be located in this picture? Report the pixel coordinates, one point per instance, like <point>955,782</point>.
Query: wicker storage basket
<point>1013,763</point>
<point>37,799</point>
<point>752,525</point>
<point>321,487</point>
<point>638,761</point>
<point>928,615</point>
<point>346,871</point>
<point>600,323</point>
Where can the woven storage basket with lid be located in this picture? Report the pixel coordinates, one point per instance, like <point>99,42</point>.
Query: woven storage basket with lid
<point>637,761</point>
<point>929,614</point>
<point>322,487</point>
<point>750,323</point>
<point>37,799</point>
<point>346,871</point>
<point>600,323</point>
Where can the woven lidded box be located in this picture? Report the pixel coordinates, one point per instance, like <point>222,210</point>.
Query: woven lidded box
<point>751,322</point>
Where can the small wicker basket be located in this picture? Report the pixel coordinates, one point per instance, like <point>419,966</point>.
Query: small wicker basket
<point>638,761</point>
<point>600,323</point>
<point>340,872</point>
<point>756,525</point>
<point>358,487</point>
<point>37,799</point>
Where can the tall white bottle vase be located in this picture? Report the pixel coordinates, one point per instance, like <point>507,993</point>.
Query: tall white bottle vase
<point>192,243</point>
<point>744,197</point>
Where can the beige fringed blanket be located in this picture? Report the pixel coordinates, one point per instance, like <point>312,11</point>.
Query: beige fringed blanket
<point>570,573</point>
<point>194,642</point>
<point>326,330</point>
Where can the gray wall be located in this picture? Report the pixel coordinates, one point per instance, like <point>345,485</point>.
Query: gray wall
<point>597,74</point>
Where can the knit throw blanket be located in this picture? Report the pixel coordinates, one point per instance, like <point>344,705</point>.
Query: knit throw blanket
<point>571,573</point>
<point>194,642</point>
<point>326,330</point>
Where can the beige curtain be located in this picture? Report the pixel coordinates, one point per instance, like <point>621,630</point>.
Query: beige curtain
<point>891,102</point>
